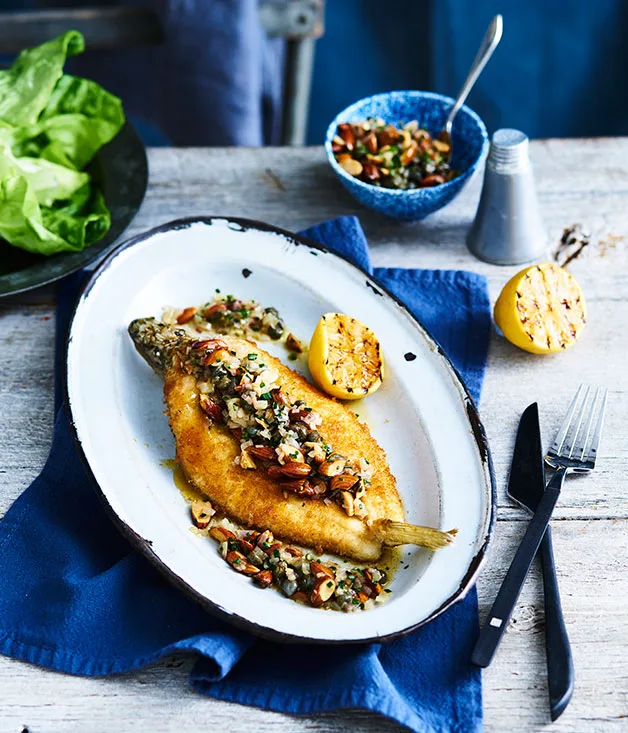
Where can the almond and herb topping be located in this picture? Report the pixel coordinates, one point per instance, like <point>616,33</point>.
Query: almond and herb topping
<point>404,157</point>
<point>239,390</point>
<point>275,434</point>
<point>298,574</point>
<point>230,315</point>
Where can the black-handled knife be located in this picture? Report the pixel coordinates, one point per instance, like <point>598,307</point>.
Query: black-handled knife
<point>506,599</point>
<point>526,486</point>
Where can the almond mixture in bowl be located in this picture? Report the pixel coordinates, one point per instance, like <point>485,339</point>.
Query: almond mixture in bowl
<point>403,157</point>
<point>416,180</point>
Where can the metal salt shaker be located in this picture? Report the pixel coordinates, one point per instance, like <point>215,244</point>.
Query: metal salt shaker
<point>508,229</point>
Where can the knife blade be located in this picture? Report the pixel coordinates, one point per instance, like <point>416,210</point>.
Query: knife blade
<point>526,485</point>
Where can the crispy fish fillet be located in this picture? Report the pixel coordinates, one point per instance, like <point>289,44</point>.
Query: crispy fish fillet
<point>207,454</point>
<point>207,451</point>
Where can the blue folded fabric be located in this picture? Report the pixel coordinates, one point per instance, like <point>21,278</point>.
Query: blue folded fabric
<point>77,598</point>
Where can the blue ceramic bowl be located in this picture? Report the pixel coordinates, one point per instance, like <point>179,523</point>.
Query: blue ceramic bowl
<point>469,137</point>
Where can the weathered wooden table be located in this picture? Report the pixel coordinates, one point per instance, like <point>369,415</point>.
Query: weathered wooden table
<point>579,181</point>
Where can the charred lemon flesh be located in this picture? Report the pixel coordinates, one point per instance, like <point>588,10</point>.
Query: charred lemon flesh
<point>541,309</point>
<point>345,357</point>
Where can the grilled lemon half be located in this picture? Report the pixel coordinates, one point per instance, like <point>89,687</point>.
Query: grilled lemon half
<point>541,309</point>
<point>345,357</point>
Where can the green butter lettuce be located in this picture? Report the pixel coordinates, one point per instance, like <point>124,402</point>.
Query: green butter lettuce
<point>26,87</point>
<point>51,126</point>
<point>80,222</point>
<point>50,182</point>
<point>47,208</point>
<point>78,120</point>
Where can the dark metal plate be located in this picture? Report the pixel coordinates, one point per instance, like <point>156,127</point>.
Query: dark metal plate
<point>120,169</point>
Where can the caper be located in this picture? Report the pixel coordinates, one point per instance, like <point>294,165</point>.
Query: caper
<point>276,330</point>
<point>219,371</point>
<point>230,386</point>
<point>301,430</point>
<point>289,587</point>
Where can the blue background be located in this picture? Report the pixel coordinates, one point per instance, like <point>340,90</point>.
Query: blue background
<point>559,71</point>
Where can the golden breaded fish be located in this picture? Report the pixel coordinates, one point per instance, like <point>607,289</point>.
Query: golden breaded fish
<point>207,451</point>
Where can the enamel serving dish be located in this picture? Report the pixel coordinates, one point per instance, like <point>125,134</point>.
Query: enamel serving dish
<point>422,416</point>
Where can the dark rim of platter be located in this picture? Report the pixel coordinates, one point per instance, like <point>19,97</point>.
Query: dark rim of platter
<point>145,546</point>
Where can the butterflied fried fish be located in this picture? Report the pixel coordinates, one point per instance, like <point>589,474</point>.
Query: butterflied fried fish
<point>272,451</point>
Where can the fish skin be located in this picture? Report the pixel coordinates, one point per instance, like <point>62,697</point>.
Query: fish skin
<point>157,343</point>
<point>206,453</point>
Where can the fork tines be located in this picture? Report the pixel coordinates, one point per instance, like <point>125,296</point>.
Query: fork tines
<point>578,439</point>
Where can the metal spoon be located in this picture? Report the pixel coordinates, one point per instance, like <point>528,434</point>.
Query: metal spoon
<point>491,39</point>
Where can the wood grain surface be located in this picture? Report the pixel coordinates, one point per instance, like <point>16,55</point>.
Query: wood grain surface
<point>578,181</point>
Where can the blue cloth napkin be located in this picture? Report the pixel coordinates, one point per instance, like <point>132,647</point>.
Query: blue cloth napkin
<point>77,598</point>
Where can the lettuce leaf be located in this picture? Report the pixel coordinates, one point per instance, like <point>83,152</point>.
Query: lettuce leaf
<point>26,87</point>
<point>61,225</point>
<point>79,222</point>
<point>49,181</point>
<point>51,126</point>
<point>78,120</point>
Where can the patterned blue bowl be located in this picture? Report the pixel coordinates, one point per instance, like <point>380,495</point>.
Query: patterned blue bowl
<point>470,141</point>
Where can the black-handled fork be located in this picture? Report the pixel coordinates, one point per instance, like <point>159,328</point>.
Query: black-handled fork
<point>575,449</point>
<point>560,671</point>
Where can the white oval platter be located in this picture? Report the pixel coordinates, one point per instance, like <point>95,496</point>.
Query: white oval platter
<point>422,416</point>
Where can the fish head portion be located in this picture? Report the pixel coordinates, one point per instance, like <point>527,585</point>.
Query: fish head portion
<point>158,343</point>
<point>165,346</point>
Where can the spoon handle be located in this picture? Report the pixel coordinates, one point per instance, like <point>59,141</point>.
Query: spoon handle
<point>491,39</point>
